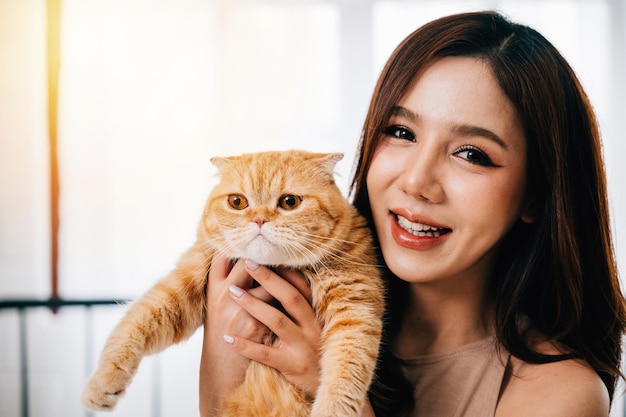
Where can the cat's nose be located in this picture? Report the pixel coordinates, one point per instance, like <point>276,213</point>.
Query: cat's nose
<point>260,221</point>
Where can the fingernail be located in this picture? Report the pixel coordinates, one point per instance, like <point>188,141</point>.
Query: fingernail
<point>229,339</point>
<point>236,291</point>
<point>251,264</point>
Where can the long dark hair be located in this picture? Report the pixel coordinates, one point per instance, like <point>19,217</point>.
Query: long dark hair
<point>559,272</point>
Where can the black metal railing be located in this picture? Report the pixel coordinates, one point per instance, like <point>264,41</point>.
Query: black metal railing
<point>22,306</point>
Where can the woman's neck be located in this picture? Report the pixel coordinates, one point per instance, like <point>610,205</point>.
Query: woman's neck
<point>440,319</point>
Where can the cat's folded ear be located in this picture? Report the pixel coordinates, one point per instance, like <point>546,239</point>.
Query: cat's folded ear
<point>329,160</point>
<point>220,161</point>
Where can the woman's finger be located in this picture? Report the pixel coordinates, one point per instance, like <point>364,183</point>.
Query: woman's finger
<point>220,267</point>
<point>275,357</point>
<point>239,276</point>
<point>225,271</point>
<point>297,280</point>
<point>292,300</point>
<point>234,273</point>
<point>258,352</point>
<point>298,361</point>
<point>265,313</point>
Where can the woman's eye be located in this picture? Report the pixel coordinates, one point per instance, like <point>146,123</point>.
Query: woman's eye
<point>237,201</point>
<point>289,201</point>
<point>399,132</point>
<point>475,156</point>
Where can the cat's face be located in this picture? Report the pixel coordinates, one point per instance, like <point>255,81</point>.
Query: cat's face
<point>276,208</point>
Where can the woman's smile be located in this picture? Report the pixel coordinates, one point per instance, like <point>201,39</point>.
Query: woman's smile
<point>417,234</point>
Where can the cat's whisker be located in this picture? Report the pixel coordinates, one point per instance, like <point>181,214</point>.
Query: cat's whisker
<point>328,238</point>
<point>331,251</point>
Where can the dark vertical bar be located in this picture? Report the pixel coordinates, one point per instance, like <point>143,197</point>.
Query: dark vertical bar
<point>53,47</point>
<point>23,362</point>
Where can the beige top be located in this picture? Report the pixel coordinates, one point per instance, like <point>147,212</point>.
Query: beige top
<point>464,382</point>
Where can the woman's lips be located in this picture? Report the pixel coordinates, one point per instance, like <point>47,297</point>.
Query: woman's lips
<point>418,235</point>
<point>421,229</point>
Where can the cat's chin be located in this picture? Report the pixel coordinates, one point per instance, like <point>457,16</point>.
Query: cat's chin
<point>272,258</point>
<point>264,252</point>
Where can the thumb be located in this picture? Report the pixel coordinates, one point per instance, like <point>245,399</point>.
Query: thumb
<point>220,267</point>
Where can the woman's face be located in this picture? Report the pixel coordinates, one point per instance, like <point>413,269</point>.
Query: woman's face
<point>447,179</point>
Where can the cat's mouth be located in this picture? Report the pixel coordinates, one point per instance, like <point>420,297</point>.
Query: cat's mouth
<point>421,229</point>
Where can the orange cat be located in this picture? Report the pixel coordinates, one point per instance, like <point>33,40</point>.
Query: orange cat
<point>307,225</point>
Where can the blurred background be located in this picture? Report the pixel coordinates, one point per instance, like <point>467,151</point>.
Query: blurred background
<point>109,114</point>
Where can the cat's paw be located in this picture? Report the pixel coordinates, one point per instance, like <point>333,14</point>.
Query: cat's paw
<point>105,388</point>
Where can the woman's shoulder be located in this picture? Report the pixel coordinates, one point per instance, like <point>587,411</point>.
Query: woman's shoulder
<point>565,388</point>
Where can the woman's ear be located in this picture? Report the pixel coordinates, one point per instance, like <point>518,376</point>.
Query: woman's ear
<point>530,212</point>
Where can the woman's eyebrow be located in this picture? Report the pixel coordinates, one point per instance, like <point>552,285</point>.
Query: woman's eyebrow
<point>462,129</point>
<point>404,112</point>
<point>469,130</point>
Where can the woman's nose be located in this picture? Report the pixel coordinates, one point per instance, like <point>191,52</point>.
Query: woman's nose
<point>422,174</point>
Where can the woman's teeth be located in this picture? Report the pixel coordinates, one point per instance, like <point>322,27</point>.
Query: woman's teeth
<point>419,229</point>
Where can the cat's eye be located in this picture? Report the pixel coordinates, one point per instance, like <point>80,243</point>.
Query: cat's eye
<point>289,201</point>
<point>237,201</point>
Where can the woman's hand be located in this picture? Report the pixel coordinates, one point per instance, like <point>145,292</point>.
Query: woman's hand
<point>240,317</point>
<point>222,368</point>
<point>297,355</point>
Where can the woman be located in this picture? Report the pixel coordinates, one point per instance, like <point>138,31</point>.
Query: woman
<point>480,171</point>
